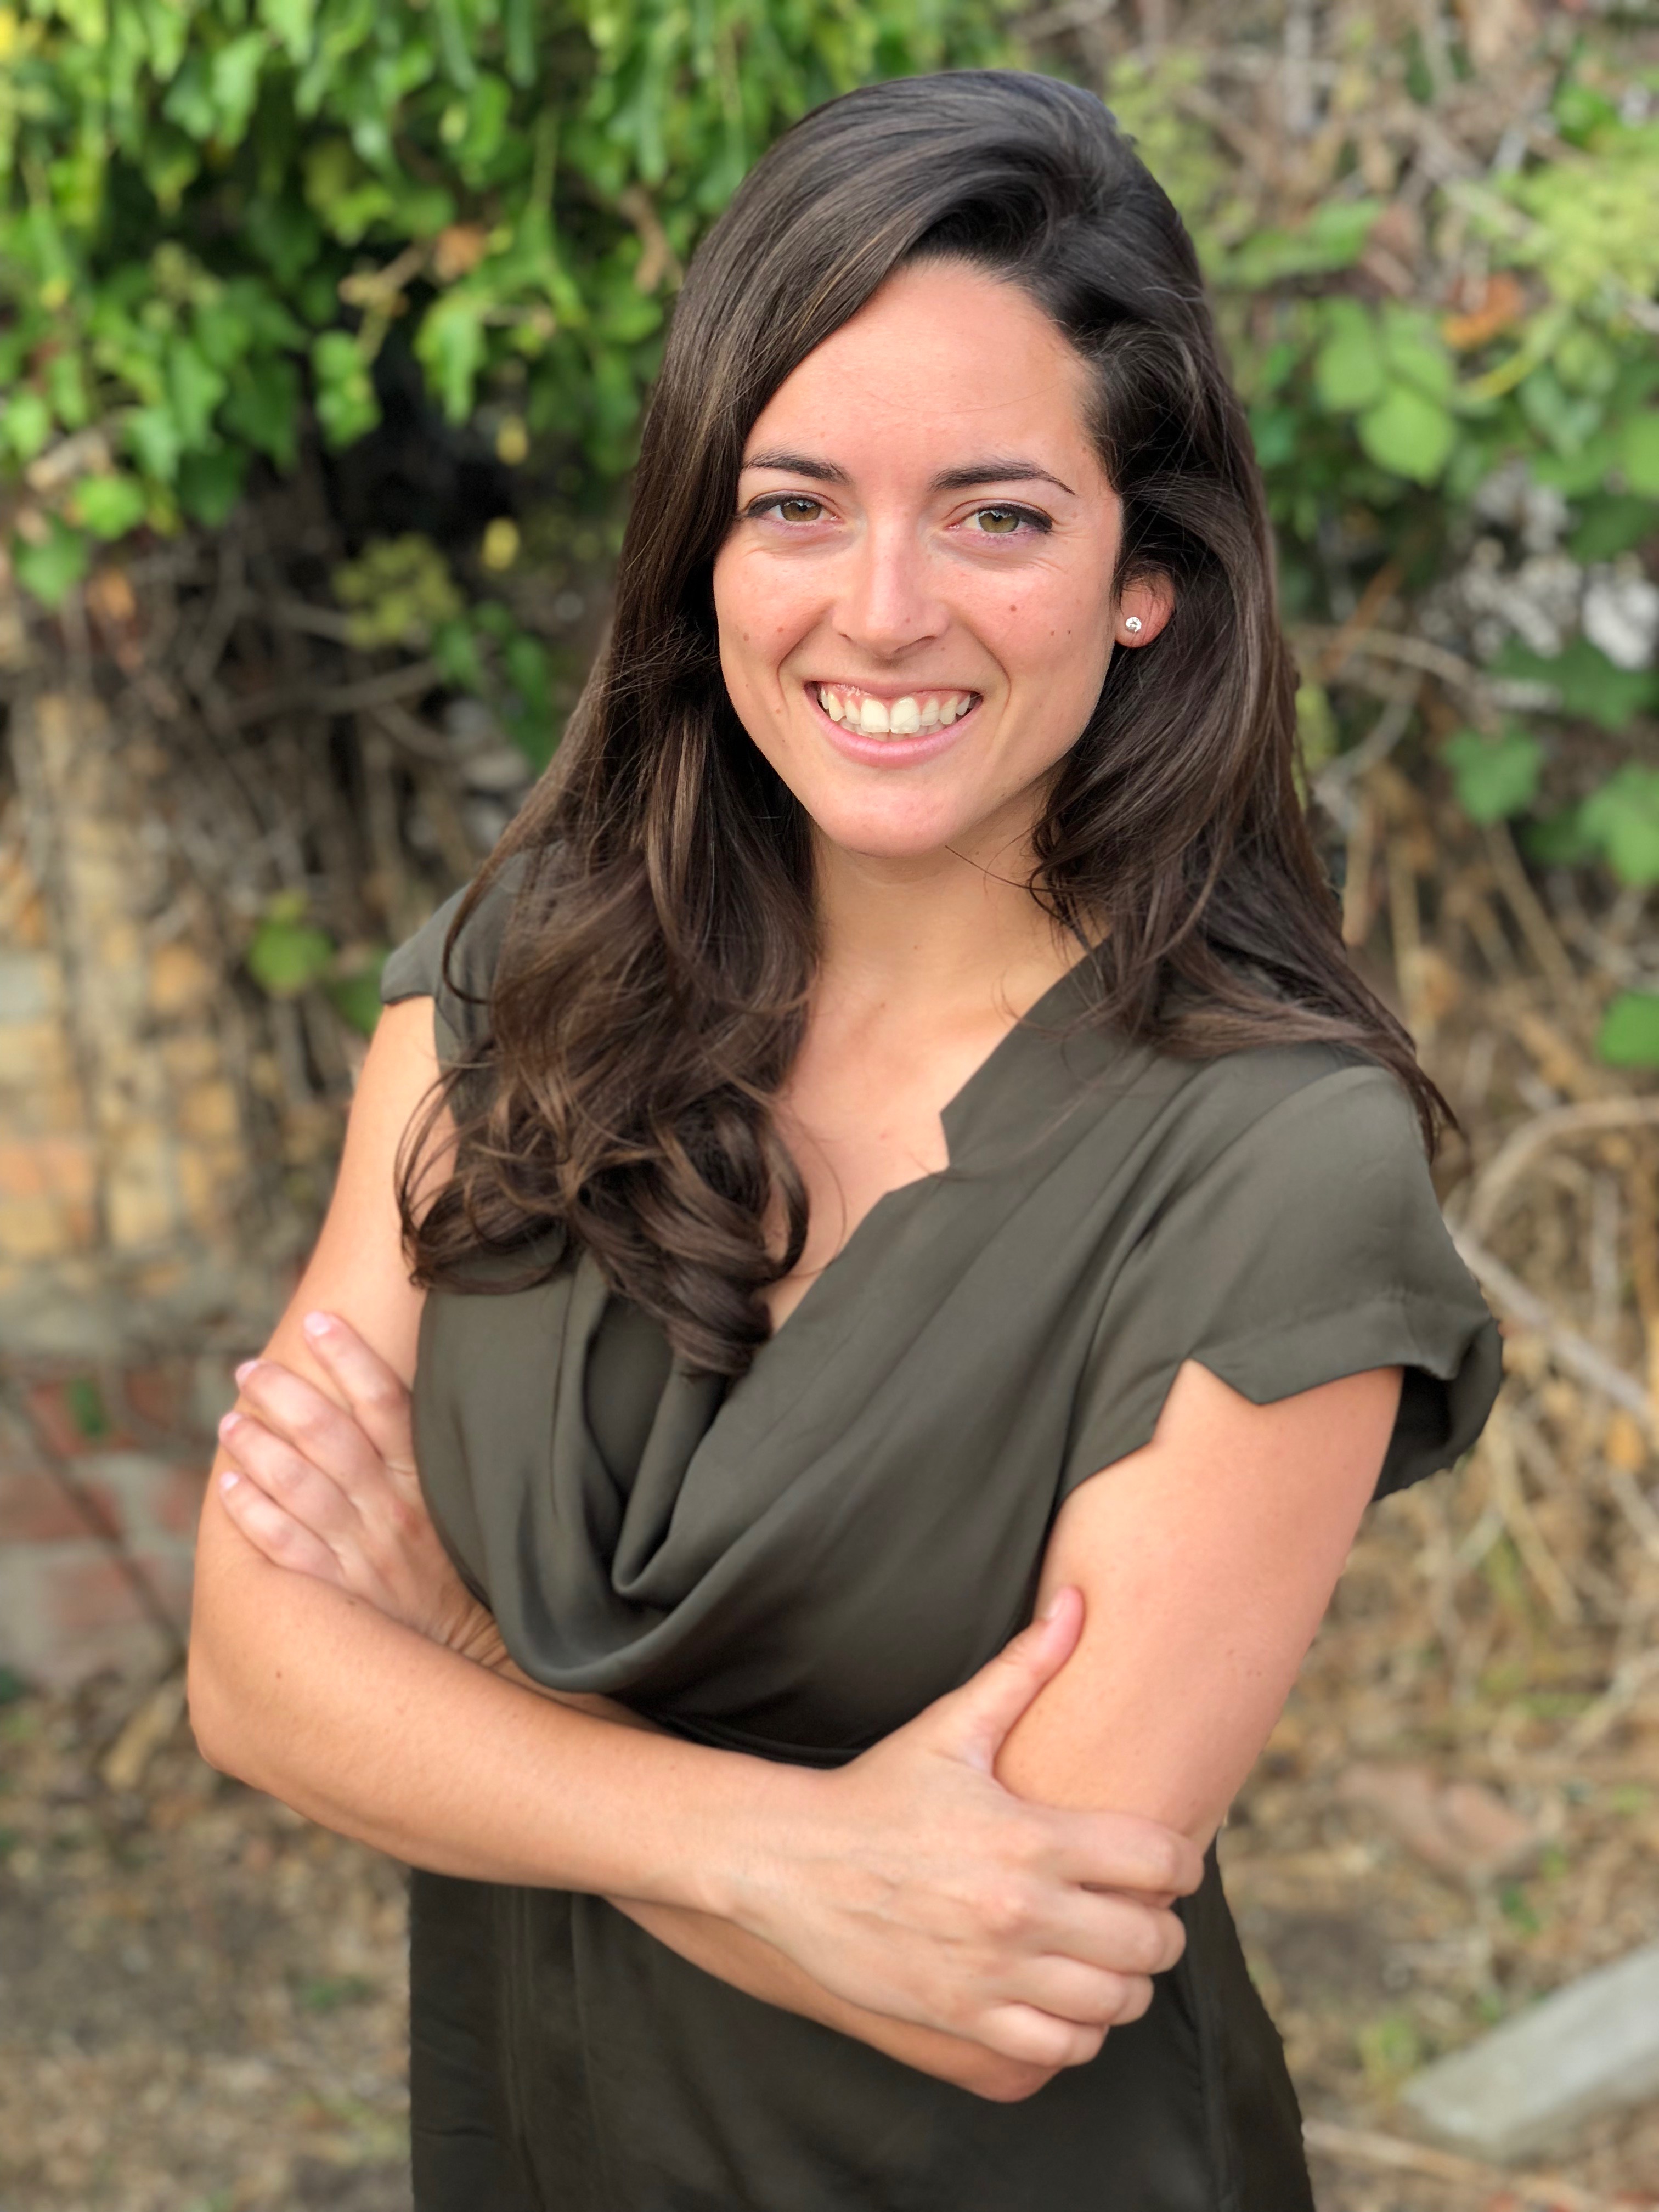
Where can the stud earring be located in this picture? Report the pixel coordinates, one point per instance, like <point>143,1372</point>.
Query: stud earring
<point>1132,624</point>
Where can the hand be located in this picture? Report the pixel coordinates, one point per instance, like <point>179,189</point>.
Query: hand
<point>918,1888</point>
<point>335,1494</point>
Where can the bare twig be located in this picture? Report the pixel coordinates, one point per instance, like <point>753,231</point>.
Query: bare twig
<point>1569,1351</point>
<point>1367,2147</point>
<point>408,682</point>
<point>1559,1126</point>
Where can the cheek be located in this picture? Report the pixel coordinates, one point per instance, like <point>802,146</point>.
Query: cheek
<point>757,620</point>
<point>1054,627</point>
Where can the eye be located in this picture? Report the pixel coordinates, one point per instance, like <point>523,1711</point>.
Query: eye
<point>789,507</point>
<point>1006,521</point>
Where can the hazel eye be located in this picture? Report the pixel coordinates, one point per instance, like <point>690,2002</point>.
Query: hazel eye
<point>1005,521</point>
<point>790,507</point>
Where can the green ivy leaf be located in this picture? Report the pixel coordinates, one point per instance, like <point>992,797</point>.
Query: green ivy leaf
<point>151,436</point>
<point>195,388</point>
<point>210,483</point>
<point>233,83</point>
<point>455,649</point>
<point>1639,453</point>
<point>290,21</point>
<point>1408,434</point>
<point>1586,682</point>
<point>1348,372</point>
<point>346,405</point>
<point>285,956</point>
<point>1416,355</point>
<point>1629,1034</point>
<point>450,346</point>
<point>51,568</point>
<point>1560,840</point>
<point>108,505</point>
<point>1494,777</point>
<point>264,407</point>
<point>357,998</point>
<point>26,424</point>
<point>1623,818</point>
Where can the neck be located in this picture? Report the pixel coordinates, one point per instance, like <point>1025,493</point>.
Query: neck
<point>937,931</point>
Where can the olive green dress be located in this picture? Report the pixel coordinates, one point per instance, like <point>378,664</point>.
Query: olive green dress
<point>796,1564</point>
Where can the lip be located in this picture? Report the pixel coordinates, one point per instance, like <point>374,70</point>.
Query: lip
<point>889,753</point>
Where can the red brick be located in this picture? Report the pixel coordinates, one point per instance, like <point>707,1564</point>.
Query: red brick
<point>160,1395</point>
<point>89,1591</point>
<point>47,1167</point>
<point>175,1503</point>
<point>36,1509</point>
<point>51,1408</point>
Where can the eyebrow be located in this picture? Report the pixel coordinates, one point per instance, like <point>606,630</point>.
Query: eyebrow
<point>995,469</point>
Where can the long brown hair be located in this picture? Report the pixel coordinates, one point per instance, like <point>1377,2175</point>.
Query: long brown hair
<point>652,986</point>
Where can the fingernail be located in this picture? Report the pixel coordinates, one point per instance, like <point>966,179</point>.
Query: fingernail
<point>227,1422</point>
<point>1053,1606</point>
<point>242,1372</point>
<point>229,1478</point>
<point>317,1324</point>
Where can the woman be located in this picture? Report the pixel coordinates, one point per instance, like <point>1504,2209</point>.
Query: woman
<point>899,1065</point>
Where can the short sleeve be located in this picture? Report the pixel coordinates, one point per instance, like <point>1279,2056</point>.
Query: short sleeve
<point>1311,1246</point>
<point>461,997</point>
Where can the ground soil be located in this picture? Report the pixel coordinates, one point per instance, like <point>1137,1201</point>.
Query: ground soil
<point>203,2006</point>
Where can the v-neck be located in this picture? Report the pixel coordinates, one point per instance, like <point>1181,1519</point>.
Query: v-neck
<point>956,1117</point>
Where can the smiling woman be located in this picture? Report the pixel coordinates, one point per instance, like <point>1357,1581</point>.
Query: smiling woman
<point>888,1157</point>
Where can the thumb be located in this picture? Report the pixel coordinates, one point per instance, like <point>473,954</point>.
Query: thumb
<point>972,1722</point>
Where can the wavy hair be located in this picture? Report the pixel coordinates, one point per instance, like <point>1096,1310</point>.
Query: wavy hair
<point>653,986</point>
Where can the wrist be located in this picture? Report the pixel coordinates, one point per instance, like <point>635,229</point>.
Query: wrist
<point>774,1825</point>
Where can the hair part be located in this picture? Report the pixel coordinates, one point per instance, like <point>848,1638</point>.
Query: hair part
<point>652,988</point>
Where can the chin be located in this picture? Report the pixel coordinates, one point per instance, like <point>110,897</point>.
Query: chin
<point>888,831</point>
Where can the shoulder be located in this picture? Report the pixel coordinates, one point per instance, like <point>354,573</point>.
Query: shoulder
<point>453,956</point>
<point>1281,1113</point>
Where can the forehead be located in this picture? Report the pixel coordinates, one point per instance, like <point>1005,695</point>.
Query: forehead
<point>944,354</point>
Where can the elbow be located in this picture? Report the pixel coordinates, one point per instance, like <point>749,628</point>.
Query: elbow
<point>218,1717</point>
<point>206,1705</point>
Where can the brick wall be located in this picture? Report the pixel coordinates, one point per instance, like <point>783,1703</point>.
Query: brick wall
<point>101,1475</point>
<point>140,1256</point>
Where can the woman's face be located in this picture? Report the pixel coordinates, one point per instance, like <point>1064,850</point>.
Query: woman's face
<point>914,601</point>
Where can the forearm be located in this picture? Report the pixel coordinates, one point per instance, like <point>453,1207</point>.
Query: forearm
<point>373,1730</point>
<point>759,1969</point>
<point>750,1964</point>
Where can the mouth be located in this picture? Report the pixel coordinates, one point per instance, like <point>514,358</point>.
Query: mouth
<point>913,713</point>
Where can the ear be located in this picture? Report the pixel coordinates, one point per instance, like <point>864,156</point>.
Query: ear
<point>1151,601</point>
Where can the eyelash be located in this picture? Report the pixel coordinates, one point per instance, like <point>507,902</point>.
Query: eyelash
<point>771,502</point>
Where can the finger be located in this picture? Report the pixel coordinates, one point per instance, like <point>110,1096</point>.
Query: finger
<point>276,1535</point>
<point>376,1392</point>
<point>1119,1935</point>
<point>974,1720</point>
<point>303,1491</point>
<point>1122,1851</point>
<point>332,1440</point>
<point>1085,1995</point>
<point>1036,2037</point>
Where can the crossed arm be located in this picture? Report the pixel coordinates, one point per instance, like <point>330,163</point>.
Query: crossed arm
<point>982,1895</point>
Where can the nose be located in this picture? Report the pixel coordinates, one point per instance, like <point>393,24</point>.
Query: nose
<point>890,600</point>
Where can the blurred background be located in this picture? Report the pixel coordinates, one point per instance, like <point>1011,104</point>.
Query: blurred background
<point>325,330</point>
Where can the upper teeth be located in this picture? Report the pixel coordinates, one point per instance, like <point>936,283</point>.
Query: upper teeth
<point>899,718</point>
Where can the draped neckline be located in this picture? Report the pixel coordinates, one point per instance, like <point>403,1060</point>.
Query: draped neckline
<point>964,1124</point>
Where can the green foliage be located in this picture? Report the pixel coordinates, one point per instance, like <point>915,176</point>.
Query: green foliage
<point>1621,819</point>
<point>1629,1035</point>
<point>1393,355</point>
<point>289,955</point>
<point>399,591</point>
<point>1494,777</point>
<point>212,215</point>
